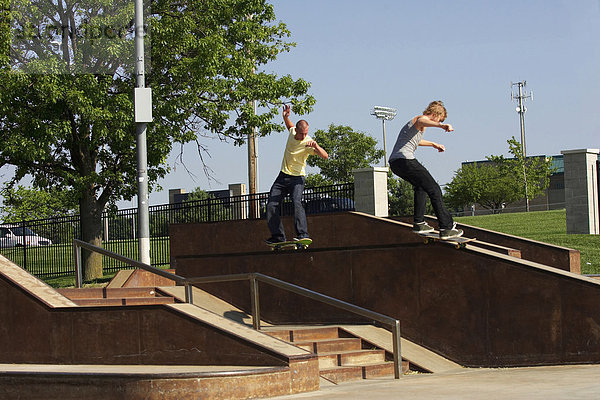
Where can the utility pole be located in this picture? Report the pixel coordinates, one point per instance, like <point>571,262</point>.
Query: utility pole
<point>252,170</point>
<point>253,208</point>
<point>143,114</point>
<point>521,96</point>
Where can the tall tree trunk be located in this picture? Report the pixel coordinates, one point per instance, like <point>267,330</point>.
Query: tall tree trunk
<point>91,232</point>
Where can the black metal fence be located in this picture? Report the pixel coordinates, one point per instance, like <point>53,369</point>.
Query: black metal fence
<point>45,247</point>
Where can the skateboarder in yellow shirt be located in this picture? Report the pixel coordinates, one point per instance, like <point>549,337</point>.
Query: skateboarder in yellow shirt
<point>291,179</point>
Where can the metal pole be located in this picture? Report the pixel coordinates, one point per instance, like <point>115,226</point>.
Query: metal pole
<point>141,146</point>
<point>522,118</point>
<point>521,110</point>
<point>384,145</point>
<point>522,122</point>
<point>189,293</point>
<point>78,274</point>
<point>254,302</point>
<point>397,350</point>
<point>252,169</point>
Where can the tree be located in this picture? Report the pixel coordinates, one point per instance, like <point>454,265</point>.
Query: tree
<point>210,208</point>
<point>499,180</point>
<point>22,204</point>
<point>4,32</point>
<point>400,196</point>
<point>489,185</point>
<point>347,149</point>
<point>66,114</point>
<point>532,174</point>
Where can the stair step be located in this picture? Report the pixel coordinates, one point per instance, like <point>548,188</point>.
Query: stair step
<point>341,359</point>
<point>331,345</point>
<point>282,335</point>
<point>351,358</point>
<point>379,370</point>
<point>107,293</point>
<point>314,334</point>
<point>125,301</point>
<point>305,335</point>
<point>342,374</point>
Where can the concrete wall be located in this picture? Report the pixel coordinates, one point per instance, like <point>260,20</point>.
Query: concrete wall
<point>33,333</point>
<point>472,306</point>
<point>581,191</point>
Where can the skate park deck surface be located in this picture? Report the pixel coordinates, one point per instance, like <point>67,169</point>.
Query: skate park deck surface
<point>573,382</point>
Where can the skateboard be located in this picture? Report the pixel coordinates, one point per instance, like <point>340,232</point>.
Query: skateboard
<point>301,244</point>
<point>457,242</point>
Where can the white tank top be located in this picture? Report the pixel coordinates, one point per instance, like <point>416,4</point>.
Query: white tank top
<point>407,142</point>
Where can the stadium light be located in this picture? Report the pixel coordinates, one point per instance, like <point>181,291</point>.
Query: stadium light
<point>384,114</point>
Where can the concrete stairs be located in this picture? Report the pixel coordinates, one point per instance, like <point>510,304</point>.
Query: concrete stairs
<point>342,356</point>
<point>117,296</point>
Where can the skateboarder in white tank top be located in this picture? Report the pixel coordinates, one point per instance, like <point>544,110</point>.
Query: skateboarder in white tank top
<point>404,164</point>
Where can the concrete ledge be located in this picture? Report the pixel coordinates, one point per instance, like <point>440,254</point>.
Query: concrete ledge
<point>543,253</point>
<point>40,326</point>
<point>142,382</point>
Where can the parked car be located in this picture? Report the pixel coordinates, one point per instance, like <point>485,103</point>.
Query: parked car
<point>15,235</point>
<point>329,204</point>
<point>287,208</point>
<point>314,206</point>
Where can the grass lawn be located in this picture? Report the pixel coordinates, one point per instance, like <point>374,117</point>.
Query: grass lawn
<point>545,226</point>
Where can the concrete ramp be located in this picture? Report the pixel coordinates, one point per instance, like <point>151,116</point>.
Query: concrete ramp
<point>418,355</point>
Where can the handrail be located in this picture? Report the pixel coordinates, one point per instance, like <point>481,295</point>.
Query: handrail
<point>78,244</point>
<point>392,324</point>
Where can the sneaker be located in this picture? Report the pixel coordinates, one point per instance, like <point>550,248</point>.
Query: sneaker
<point>273,240</point>
<point>301,238</point>
<point>450,233</point>
<point>422,227</point>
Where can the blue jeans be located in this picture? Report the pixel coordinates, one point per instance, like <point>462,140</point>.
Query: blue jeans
<point>286,184</point>
<point>424,185</point>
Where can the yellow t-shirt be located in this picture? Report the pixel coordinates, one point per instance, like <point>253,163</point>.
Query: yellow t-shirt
<point>295,155</point>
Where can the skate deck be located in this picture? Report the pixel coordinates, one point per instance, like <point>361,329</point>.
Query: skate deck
<point>457,242</point>
<point>301,244</point>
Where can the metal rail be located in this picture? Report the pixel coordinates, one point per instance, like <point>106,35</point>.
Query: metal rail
<point>393,325</point>
<point>78,245</point>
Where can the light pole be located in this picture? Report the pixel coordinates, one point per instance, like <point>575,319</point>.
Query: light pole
<point>142,100</point>
<point>521,96</point>
<point>384,113</point>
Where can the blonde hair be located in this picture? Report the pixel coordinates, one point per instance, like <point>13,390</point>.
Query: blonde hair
<point>436,108</point>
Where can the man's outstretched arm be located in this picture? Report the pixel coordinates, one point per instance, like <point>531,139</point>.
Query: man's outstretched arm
<point>286,117</point>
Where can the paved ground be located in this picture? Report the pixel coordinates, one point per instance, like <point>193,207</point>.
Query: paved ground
<point>545,383</point>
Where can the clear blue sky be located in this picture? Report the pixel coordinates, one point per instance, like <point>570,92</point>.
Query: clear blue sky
<point>403,54</point>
